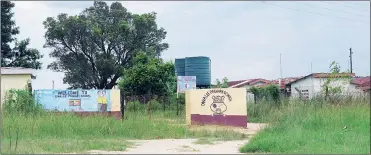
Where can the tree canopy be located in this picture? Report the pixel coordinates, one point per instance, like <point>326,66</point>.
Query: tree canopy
<point>149,75</point>
<point>94,47</point>
<point>19,55</point>
<point>222,84</point>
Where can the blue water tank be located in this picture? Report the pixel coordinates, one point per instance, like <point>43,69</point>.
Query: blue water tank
<point>199,67</point>
<point>180,67</point>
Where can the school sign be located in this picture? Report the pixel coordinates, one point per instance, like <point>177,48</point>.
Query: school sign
<point>185,83</point>
<point>79,100</point>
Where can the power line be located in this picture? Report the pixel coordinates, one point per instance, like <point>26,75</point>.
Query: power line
<point>331,9</point>
<point>316,13</point>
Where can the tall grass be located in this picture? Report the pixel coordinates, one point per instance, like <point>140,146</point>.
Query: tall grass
<point>20,102</point>
<point>25,126</point>
<point>315,126</point>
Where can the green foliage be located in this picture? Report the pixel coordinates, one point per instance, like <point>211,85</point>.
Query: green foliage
<point>149,75</point>
<point>222,84</point>
<point>175,103</point>
<point>313,128</point>
<point>71,133</point>
<point>270,92</point>
<point>94,47</point>
<point>8,27</point>
<point>21,102</point>
<point>330,86</point>
<point>19,55</point>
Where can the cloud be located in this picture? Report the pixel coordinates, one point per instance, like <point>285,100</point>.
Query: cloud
<point>243,39</point>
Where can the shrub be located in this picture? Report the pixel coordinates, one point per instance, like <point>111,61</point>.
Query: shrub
<point>20,102</point>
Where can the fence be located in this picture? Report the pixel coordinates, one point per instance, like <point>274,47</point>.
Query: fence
<point>152,103</point>
<point>331,98</point>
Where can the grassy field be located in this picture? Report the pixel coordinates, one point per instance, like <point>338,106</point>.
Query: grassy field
<point>27,128</point>
<point>295,127</point>
<point>313,128</point>
<point>50,133</point>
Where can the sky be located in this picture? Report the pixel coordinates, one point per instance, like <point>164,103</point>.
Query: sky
<point>244,40</point>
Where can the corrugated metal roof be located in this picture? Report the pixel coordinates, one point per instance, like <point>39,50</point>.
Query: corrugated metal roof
<point>323,75</point>
<point>249,82</point>
<point>363,83</point>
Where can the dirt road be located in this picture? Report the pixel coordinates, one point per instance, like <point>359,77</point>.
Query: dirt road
<point>186,146</point>
<point>178,146</point>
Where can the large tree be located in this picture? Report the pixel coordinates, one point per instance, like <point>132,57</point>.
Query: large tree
<point>149,75</point>
<point>94,47</point>
<point>19,55</point>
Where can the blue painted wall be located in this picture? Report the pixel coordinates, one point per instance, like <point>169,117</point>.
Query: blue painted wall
<point>72,100</point>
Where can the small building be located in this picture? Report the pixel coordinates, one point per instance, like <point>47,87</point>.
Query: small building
<point>15,78</point>
<point>281,83</point>
<point>311,85</point>
<point>248,83</point>
<point>362,83</point>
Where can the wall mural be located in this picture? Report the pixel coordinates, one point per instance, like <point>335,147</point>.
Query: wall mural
<point>217,104</point>
<point>226,106</point>
<point>74,100</point>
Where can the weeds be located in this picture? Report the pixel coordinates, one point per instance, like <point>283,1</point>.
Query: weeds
<point>71,133</point>
<point>21,102</point>
<point>314,126</point>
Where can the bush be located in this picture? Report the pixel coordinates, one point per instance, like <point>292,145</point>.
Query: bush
<point>311,126</point>
<point>268,93</point>
<point>158,104</point>
<point>20,102</point>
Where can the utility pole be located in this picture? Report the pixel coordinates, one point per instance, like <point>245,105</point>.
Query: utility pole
<point>280,66</point>
<point>350,56</point>
<point>280,80</point>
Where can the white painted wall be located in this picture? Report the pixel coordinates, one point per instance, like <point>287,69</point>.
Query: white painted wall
<point>313,85</point>
<point>249,97</point>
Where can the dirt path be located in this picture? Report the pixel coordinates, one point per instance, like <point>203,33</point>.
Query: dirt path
<point>187,146</point>
<point>179,146</point>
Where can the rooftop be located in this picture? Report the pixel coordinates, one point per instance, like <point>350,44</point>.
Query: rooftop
<point>323,75</point>
<point>234,84</point>
<point>362,82</point>
<point>17,71</point>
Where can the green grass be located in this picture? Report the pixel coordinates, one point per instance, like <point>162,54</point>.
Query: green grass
<point>38,146</point>
<point>51,133</point>
<point>307,128</point>
<point>204,141</point>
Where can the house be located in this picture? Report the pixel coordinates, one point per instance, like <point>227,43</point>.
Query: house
<point>14,78</point>
<point>361,83</point>
<point>311,85</point>
<point>248,83</point>
<point>282,82</point>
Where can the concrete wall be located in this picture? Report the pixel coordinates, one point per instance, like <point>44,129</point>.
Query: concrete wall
<point>313,86</point>
<point>249,97</point>
<point>79,100</point>
<point>115,100</point>
<point>216,106</point>
<point>13,82</point>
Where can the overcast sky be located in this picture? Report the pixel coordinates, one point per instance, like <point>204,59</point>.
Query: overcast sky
<point>243,39</point>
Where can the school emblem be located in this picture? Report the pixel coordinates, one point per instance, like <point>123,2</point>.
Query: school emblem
<point>216,102</point>
<point>218,106</point>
